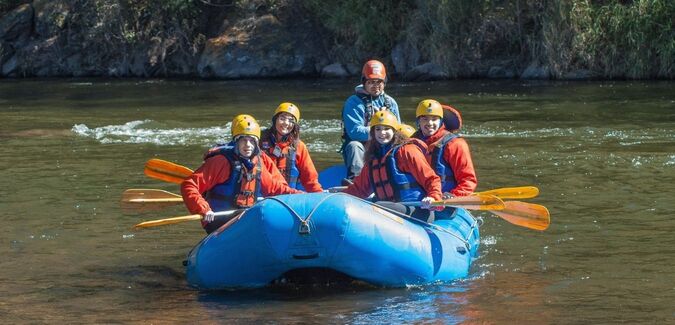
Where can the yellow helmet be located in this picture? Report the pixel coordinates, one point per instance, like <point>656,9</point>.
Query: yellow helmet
<point>245,124</point>
<point>384,118</point>
<point>406,129</point>
<point>429,107</point>
<point>289,108</point>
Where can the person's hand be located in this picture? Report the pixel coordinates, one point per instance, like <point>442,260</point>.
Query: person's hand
<point>209,216</point>
<point>426,202</point>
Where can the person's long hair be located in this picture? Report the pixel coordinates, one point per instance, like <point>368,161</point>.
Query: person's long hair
<point>373,147</point>
<point>271,132</point>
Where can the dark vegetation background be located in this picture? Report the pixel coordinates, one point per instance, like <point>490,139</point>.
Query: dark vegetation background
<point>417,39</point>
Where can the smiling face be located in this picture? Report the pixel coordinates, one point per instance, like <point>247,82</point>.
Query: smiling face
<point>246,146</point>
<point>284,123</point>
<point>374,87</point>
<point>429,124</point>
<point>383,134</point>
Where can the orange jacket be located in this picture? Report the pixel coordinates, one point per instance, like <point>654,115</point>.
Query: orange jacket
<point>457,154</point>
<point>409,159</point>
<point>216,170</point>
<point>309,178</point>
<point>271,167</point>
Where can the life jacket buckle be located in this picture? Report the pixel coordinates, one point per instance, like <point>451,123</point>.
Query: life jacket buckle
<point>304,228</point>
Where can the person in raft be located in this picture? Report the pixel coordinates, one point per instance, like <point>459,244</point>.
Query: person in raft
<point>281,142</point>
<point>396,170</point>
<point>449,154</point>
<point>368,99</point>
<point>232,179</point>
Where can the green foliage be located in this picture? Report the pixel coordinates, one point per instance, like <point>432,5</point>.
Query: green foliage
<point>454,33</point>
<point>610,38</point>
<point>362,28</point>
<point>613,39</point>
<point>634,40</point>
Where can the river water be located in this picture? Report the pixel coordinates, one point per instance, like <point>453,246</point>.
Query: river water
<point>602,154</point>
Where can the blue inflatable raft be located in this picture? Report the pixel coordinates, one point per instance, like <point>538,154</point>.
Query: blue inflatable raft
<point>334,231</point>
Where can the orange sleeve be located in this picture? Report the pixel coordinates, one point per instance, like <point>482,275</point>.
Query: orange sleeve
<point>271,185</point>
<point>271,167</point>
<point>308,175</point>
<point>458,156</point>
<point>411,159</point>
<point>214,171</point>
<point>361,187</point>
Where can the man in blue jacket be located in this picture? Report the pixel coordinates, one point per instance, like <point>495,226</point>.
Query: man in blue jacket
<point>368,99</point>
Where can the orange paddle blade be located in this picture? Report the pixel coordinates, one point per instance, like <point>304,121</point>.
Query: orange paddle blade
<point>521,192</point>
<point>528,215</point>
<point>166,171</point>
<point>473,202</point>
<point>168,221</point>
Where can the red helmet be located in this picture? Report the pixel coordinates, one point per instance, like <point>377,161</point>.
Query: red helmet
<point>373,69</point>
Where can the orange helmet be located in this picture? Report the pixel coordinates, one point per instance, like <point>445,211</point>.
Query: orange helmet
<point>373,69</point>
<point>385,118</point>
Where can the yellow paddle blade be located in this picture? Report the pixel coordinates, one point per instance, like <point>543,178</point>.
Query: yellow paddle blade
<point>528,215</point>
<point>149,195</point>
<point>168,221</point>
<point>144,200</point>
<point>166,171</point>
<point>473,202</point>
<point>521,192</point>
<point>171,200</point>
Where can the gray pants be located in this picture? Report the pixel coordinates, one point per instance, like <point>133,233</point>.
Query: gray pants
<point>352,153</point>
<point>417,213</point>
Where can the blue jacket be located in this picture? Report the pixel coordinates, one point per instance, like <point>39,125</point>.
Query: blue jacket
<point>356,116</point>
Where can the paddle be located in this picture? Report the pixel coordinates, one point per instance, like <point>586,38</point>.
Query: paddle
<point>164,198</point>
<point>150,196</point>
<point>144,200</point>
<point>166,171</point>
<point>471,202</point>
<point>521,192</point>
<point>169,221</point>
<point>528,215</point>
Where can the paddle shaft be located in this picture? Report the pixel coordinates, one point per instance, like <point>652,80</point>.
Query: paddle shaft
<point>471,202</point>
<point>174,220</point>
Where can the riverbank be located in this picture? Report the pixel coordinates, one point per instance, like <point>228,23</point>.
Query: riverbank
<point>418,40</point>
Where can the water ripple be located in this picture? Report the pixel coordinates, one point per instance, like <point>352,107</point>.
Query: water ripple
<point>152,132</point>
